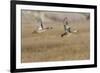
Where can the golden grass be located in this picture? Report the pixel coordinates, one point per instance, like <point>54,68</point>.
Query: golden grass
<point>50,46</point>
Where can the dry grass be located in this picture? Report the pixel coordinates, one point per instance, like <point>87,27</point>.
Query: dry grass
<point>50,46</point>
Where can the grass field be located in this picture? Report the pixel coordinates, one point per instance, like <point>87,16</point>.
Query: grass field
<point>50,46</point>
